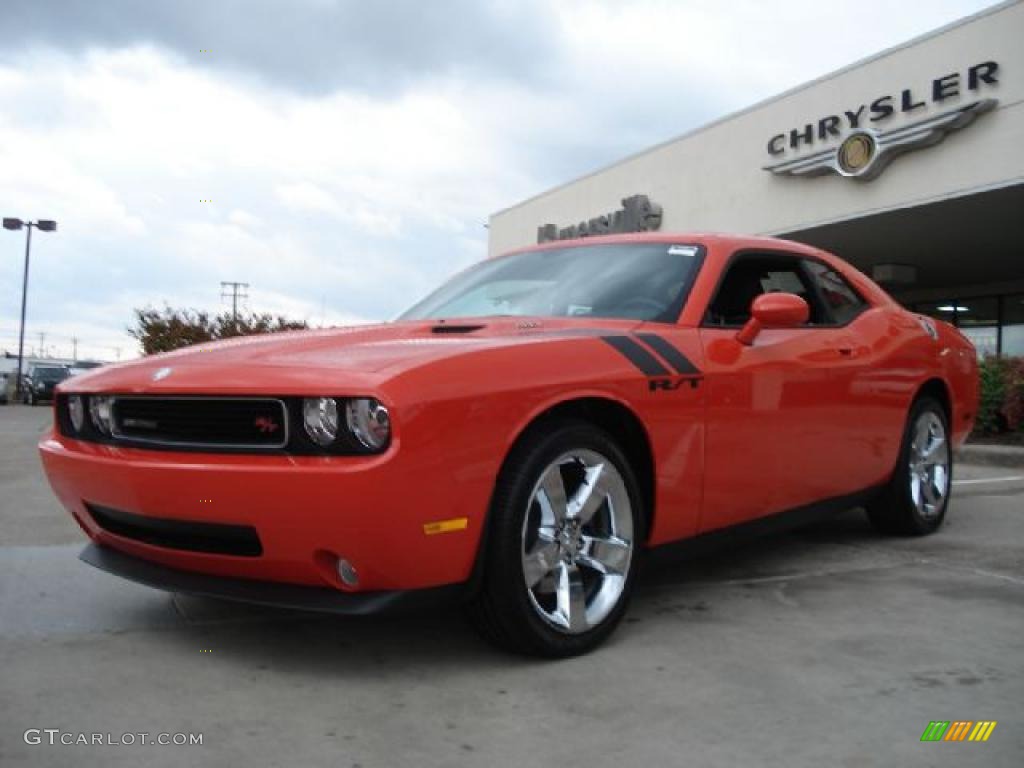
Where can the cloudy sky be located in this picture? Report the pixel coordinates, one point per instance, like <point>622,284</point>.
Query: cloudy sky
<point>342,157</point>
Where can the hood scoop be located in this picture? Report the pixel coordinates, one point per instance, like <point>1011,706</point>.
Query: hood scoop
<point>443,328</point>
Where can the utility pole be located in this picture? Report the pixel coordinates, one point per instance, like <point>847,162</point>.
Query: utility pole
<point>236,291</point>
<point>42,343</point>
<point>74,348</point>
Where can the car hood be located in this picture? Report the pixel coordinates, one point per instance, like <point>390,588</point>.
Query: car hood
<point>360,356</point>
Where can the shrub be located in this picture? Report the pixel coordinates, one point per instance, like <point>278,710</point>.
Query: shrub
<point>162,331</point>
<point>1013,404</point>
<point>1001,406</point>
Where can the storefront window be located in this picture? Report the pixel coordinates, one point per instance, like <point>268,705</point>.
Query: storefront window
<point>940,310</point>
<point>1013,325</point>
<point>977,319</point>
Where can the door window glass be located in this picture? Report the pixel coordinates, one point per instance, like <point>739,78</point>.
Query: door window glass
<point>750,276</point>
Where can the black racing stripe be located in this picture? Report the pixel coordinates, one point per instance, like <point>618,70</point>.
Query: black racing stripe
<point>669,353</point>
<point>637,355</point>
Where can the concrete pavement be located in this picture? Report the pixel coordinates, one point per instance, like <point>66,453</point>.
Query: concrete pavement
<point>827,646</point>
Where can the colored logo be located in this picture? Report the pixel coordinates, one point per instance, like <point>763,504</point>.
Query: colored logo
<point>958,730</point>
<point>856,152</point>
<point>265,425</point>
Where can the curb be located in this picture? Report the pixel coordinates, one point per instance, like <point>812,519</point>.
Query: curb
<point>992,455</point>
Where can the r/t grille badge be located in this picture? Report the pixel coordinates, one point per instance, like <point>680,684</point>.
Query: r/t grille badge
<point>265,425</point>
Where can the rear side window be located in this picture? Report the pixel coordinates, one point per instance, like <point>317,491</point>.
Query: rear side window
<point>839,297</point>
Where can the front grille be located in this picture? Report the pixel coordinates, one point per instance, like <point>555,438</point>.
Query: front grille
<point>202,422</point>
<point>213,538</point>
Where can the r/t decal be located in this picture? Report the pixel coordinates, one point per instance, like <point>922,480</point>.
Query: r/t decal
<point>669,385</point>
<point>656,358</point>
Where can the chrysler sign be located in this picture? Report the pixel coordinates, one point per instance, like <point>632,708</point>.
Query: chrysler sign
<point>865,149</point>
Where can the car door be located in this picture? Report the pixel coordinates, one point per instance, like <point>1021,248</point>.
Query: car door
<point>861,372</point>
<point>771,406</point>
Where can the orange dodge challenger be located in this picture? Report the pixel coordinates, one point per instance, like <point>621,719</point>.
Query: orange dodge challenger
<point>520,438</point>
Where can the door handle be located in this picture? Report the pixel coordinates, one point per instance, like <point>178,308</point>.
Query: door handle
<point>846,351</point>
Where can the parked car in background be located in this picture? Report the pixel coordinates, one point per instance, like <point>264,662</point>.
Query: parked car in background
<point>522,437</point>
<point>83,366</point>
<point>40,382</point>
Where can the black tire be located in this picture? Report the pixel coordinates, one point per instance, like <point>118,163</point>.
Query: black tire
<point>894,511</point>
<point>502,610</point>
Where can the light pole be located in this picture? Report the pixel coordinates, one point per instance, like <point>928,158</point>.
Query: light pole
<point>43,225</point>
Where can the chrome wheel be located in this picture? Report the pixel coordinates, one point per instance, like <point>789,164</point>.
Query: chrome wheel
<point>577,541</point>
<point>929,465</point>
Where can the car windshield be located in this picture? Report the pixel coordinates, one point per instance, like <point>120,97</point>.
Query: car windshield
<point>50,374</point>
<point>641,281</point>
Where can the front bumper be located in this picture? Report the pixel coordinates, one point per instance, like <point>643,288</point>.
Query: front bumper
<point>307,598</point>
<point>306,510</point>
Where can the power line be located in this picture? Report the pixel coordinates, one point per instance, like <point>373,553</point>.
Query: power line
<point>237,291</point>
<point>55,345</point>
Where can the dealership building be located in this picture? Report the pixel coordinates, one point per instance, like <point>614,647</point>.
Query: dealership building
<point>908,164</point>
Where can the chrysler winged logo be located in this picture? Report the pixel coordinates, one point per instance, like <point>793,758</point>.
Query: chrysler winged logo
<point>865,153</point>
<point>163,373</point>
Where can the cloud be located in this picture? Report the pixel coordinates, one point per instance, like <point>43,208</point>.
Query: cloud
<point>313,46</point>
<point>308,198</point>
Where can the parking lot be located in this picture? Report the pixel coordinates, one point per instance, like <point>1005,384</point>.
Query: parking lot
<point>830,646</point>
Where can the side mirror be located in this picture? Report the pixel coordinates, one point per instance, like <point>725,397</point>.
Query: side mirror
<point>773,310</point>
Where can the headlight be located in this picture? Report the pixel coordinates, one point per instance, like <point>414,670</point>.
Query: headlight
<point>320,416</point>
<point>76,410</point>
<point>369,422</point>
<point>100,412</point>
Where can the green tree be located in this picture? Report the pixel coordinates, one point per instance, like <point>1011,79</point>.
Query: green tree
<point>167,329</point>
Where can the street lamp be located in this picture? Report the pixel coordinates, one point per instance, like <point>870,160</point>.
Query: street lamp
<point>43,225</point>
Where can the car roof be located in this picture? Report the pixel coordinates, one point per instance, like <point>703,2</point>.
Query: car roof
<point>707,239</point>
